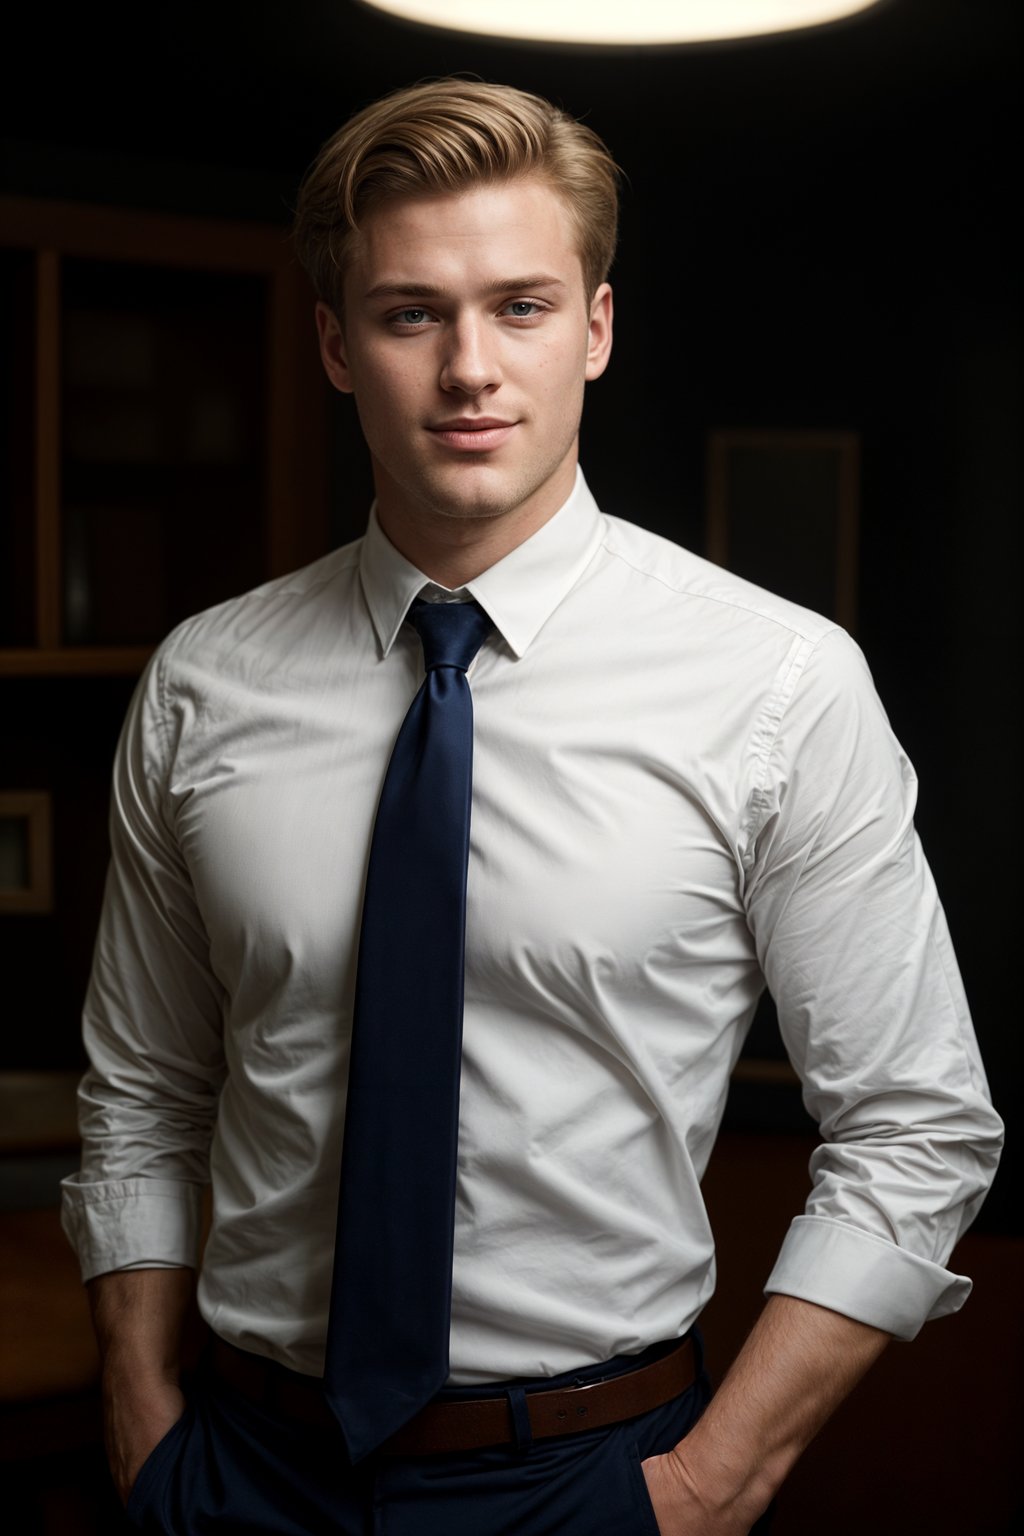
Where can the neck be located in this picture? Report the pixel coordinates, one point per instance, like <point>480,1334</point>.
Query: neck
<point>453,550</point>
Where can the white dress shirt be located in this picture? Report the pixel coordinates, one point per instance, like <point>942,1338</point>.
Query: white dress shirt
<point>683,787</point>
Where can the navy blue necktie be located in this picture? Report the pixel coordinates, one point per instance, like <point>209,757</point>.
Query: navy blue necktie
<point>390,1317</point>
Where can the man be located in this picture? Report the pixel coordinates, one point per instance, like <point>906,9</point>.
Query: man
<point>681,786</point>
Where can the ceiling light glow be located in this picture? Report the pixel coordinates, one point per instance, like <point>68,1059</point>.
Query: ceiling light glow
<point>623,22</point>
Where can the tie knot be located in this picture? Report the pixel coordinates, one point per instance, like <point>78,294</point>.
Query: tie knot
<point>451,633</point>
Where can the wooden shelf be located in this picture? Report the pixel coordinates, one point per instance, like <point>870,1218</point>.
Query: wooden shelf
<point>121,234</point>
<point>75,661</point>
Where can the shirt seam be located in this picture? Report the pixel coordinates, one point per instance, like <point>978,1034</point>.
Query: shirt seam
<point>83,1197</point>
<point>764,733</point>
<point>711,597</point>
<point>890,1245</point>
<point>764,738</point>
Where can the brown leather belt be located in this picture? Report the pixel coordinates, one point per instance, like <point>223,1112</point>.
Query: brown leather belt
<point>469,1424</point>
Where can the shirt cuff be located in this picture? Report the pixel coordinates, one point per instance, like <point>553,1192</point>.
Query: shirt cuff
<point>125,1223</point>
<point>864,1277</point>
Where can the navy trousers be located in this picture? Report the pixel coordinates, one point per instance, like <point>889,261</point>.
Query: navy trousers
<point>233,1468</point>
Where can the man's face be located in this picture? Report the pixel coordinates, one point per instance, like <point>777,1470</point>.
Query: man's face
<point>467,341</point>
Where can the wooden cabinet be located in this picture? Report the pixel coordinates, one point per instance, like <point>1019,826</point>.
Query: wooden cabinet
<point>163,439</point>
<point>162,447</point>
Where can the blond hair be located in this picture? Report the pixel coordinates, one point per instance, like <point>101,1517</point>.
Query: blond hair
<point>445,136</point>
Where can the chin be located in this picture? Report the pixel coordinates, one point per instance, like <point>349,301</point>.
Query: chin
<point>495,497</point>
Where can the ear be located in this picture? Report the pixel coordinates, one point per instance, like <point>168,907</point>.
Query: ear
<point>599,344</point>
<point>333,350</point>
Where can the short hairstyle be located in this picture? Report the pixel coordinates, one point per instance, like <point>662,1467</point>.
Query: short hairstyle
<point>445,136</point>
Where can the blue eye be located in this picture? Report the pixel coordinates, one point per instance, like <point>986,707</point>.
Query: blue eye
<point>411,316</point>
<point>523,309</point>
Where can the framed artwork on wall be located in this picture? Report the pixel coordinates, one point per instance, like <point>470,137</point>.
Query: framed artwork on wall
<point>26,852</point>
<point>782,510</point>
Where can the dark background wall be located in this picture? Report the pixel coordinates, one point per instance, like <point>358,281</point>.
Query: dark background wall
<point>820,230</point>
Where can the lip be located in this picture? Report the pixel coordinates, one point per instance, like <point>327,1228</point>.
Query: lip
<point>473,434</point>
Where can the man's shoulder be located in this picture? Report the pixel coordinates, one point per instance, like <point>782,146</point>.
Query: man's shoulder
<point>273,616</point>
<point>691,583</point>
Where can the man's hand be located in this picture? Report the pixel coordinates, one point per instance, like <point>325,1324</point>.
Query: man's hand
<point>798,1364</point>
<point>135,1420</point>
<point>679,1506</point>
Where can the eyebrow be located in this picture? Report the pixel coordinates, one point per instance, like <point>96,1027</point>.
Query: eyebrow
<point>431,291</point>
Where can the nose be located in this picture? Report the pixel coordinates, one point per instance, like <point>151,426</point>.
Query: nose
<point>470,365</point>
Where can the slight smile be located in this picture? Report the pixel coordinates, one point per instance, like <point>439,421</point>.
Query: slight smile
<point>473,434</point>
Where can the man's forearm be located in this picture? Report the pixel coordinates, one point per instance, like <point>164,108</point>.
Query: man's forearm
<point>139,1317</point>
<point>797,1365</point>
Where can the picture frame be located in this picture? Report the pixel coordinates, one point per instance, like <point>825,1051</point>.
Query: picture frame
<point>26,851</point>
<point>783,511</point>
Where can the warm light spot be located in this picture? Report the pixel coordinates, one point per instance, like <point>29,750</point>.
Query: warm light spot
<point>616,22</point>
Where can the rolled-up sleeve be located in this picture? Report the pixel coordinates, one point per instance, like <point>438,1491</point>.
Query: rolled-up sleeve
<point>153,1026</point>
<point>854,945</point>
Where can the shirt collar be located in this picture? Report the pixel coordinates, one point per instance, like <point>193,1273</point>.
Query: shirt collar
<point>519,594</point>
